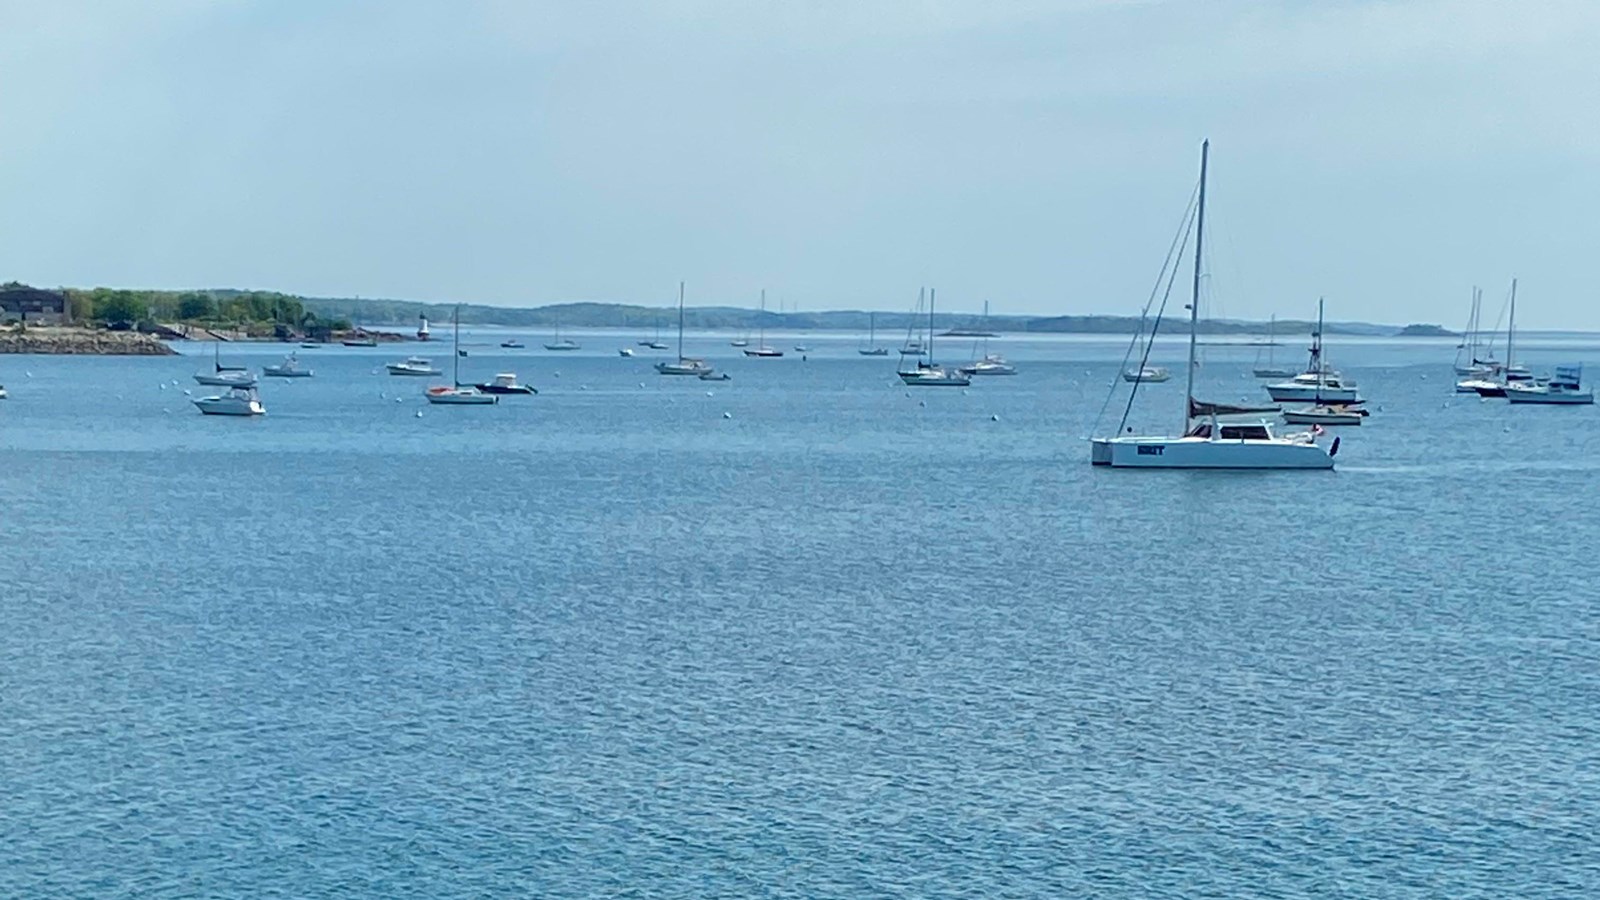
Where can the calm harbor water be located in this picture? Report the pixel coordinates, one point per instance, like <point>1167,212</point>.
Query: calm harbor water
<point>798,634</point>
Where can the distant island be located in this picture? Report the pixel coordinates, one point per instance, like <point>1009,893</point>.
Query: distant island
<point>232,314</point>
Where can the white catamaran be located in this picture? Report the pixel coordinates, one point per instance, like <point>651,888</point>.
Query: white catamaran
<point>1206,442</point>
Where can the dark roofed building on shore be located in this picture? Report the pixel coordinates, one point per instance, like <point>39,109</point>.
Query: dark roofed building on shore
<point>33,305</point>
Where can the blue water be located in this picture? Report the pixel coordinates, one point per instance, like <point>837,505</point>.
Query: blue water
<point>843,641</point>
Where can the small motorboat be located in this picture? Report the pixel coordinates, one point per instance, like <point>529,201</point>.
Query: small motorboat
<point>225,379</point>
<point>505,383</point>
<point>413,365</point>
<point>654,345</point>
<point>3,394</point>
<point>625,351</point>
<point>715,376</point>
<point>360,342</point>
<point>801,348</point>
<point>459,396</point>
<point>289,368</point>
<point>1565,388</point>
<point>1147,375</point>
<point>238,401</point>
<point>513,344</point>
<point>310,345</point>
<point>741,342</point>
<point>1324,414</point>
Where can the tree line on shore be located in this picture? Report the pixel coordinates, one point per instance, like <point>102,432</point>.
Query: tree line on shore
<point>251,311</point>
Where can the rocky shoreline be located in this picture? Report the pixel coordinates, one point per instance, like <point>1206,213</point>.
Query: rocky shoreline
<point>82,341</point>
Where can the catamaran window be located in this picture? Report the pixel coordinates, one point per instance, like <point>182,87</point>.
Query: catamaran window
<point>1244,432</point>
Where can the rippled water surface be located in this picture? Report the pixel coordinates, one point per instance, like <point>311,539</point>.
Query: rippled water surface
<point>798,634</point>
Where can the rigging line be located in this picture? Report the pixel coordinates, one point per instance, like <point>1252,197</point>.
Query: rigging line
<point>1181,233</point>
<point>1150,344</point>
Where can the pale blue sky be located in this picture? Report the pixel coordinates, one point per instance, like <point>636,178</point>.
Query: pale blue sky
<point>840,153</point>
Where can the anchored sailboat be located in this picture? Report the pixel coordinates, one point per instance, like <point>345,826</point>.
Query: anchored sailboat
<point>457,395</point>
<point>1209,443</point>
<point>930,374</point>
<point>761,349</point>
<point>685,365</point>
<point>872,348</point>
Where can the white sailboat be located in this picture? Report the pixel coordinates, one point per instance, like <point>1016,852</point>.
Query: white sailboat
<point>1494,386</point>
<point>929,373</point>
<point>685,365</point>
<point>990,363</point>
<point>872,348</point>
<point>1269,370</point>
<point>1473,366</point>
<point>1210,443</point>
<point>761,350</point>
<point>455,394</point>
<point>224,376</point>
<point>1323,411</point>
<point>560,344</point>
<point>415,366</point>
<point>913,345</point>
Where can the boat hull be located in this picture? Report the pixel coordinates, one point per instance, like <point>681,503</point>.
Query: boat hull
<point>1272,373</point>
<point>225,381</point>
<point>1284,393</point>
<point>506,389</point>
<point>1294,417</point>
<point>764,353</point>
<point>272,372</point>
<point>666,368</point>
<point>449,397</point>
<point>1204,453</point>
<point>416,373</point>
<point>212,406</point>
<point>1550,398</point>
<point>881,351</point>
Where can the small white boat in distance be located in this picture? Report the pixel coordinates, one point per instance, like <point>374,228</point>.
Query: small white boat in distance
<point>625,351</point>
<point>3,394</point>
<point>289,368</point>
<point>1148,374</point>
<point>992,364</point>
<point>1565,388</point>
<point>715,376</point>
<point>413,365</point>
<point>513,344</point>
<point>1324,415</point>
<point>225,379</point>
<point>562,345</point>
<point>1325,386</point>
<point>238,401</point>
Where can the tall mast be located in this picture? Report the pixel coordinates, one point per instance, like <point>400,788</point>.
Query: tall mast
<point>455,364</point>
<point>1194,299</point>
<point>680,321</point>
<point>761,322</point>
<point>931,293</point>
<point>1511,327</point>
<point>1318,396</point>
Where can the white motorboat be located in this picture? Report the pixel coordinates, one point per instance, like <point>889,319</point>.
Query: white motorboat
<point>929,373</point>
<point>1209,443</point>
<point>455,393</point>
<point>739,342</point>
<point>289,368</point>
<point>413,365</point>
<point>625,352</point>
<point>512,344</point>
<point>505,383</point>
<point>685,365</point>
<point>1326,385</point>
<point>1148,375</point>
<point>310,345</point>
<point>1324,415</point>
<point>3,394</point>
<point>238,401</point>
<point>1565,388</point>
<point>1318,383</point>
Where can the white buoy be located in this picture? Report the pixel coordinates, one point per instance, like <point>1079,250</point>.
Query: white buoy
<point>708,393</point>
<point>188,393</point>
<point>641,384</point>
<point>727,415</point>
<point>163,387</point>
<point>398,400</point>
<point>419,413</point>
<point>994,418</point>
